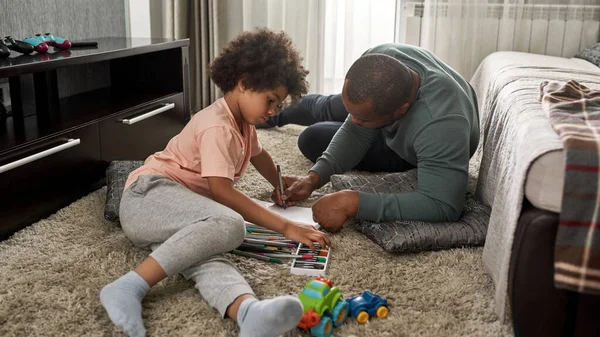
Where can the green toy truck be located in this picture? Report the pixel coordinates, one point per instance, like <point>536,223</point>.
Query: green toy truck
<point>324,307</point>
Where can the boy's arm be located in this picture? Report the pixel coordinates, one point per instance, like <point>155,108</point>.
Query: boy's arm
<point>225,193</point>
<point>266,167</point>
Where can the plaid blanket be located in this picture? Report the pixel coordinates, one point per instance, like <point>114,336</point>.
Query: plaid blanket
<point>574,112</point>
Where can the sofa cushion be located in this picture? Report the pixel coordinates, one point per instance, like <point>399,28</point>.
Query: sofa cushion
<point>116,176</point>
<point>591,54</point>
<point>415,236</point>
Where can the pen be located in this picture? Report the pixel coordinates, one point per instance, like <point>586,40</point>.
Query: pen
<point>280,184</point>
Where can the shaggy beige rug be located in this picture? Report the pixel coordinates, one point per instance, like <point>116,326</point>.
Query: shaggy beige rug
<point>51,274</point>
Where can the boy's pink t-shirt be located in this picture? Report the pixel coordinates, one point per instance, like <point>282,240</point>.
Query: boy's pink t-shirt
<point>210,145</point>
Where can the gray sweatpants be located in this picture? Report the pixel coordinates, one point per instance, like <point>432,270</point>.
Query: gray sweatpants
<point>188,234</point>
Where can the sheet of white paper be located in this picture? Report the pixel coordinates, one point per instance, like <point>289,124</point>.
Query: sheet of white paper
<point>294,213</point>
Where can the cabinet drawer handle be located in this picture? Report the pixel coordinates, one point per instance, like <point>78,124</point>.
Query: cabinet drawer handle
<point>40,155</point>
<point>167,106</point>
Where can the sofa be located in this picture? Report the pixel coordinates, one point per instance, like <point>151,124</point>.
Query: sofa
<point>521,177</point>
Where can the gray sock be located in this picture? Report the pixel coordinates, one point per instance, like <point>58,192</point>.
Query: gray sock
<point>269,318</point>
<point>122,300</point>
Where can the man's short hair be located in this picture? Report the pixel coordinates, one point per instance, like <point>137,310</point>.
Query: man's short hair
<point>380,79</point>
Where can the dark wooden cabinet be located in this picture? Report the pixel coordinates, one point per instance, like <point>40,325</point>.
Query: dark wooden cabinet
<point>72,113</point>
<point>135,134</point>
<point>70,164</point>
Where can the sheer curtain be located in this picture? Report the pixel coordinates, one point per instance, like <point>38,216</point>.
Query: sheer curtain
<point>330,34</point>
<point>352,27</point>
<point>463,32</point>
<point>301,20</point>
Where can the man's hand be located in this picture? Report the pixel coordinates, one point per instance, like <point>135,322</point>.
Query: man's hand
<point>332,210</point>
<point>301,188</point>
<point>307,234</point>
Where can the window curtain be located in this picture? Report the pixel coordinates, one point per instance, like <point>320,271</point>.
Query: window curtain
<point>331,34</point>
<point>464,32</point>
<point>198,21</point>
<point>301,20</point>
<point>352,27</point>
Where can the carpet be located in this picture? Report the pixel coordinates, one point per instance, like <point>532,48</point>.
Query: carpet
<point>51,274</point>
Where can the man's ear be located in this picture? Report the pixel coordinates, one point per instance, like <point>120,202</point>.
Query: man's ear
<point>402,110</point>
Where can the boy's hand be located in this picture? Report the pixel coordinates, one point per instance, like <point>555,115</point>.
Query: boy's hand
<point>301,188</point>
<point>306,234</point>
<point>276,195</point>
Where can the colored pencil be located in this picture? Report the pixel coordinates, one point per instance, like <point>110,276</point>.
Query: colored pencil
<point>311,262</point>
<point>299,265</point>
<point>316,248</point>
<point>261,250</point>
<point>304,257</point>
<point>271,243</point>
<point>280,239</point>
<point>251,225</point>
<point>257,246</point>
<point>261,231</point>
<point>255,256</point>
<point>265,236</point>
<point>308,251</point>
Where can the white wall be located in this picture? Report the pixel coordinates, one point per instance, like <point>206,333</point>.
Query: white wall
<point>138,18</point>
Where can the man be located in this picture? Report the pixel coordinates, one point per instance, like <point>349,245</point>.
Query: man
<point>401,107</point>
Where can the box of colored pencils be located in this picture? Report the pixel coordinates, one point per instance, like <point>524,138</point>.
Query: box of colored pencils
<point>267,245</point>
<point>311,263</point>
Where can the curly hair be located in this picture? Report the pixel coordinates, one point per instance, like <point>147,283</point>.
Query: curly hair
<point>380,79</point>
<point>263,60</point>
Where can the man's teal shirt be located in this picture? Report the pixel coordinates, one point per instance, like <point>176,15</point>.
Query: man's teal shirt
<point>438,135</point>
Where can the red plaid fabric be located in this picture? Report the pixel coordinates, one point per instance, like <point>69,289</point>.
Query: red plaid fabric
<point>574,112</point>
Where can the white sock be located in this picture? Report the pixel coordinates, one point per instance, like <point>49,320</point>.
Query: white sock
<point>269,318</point>
<point>122,300</point>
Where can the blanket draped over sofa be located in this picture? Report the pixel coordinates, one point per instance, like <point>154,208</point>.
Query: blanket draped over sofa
<point>574,112</point>
<point>515,132</point>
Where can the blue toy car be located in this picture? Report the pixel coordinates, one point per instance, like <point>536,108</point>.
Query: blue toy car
<point>366,305</point>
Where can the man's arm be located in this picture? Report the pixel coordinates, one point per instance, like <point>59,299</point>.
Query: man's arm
<point>347,148</point>
<point>442,149</point>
